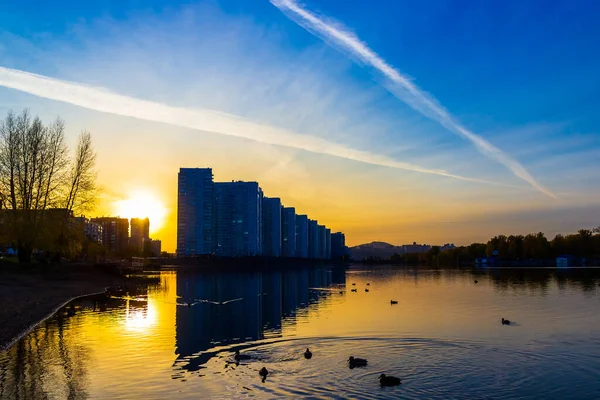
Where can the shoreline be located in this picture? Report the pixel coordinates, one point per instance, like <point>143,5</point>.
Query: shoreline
<point>30,295</point>
<point>6,345</point>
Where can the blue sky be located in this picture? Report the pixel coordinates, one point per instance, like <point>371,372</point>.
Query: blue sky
<point>521,75</point>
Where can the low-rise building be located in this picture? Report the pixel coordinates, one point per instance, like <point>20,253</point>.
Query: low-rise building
<point>155,247</point>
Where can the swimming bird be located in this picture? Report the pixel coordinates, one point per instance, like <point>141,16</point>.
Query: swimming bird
<point>389,380</point>
<point>353,290</point>
<point>263,372</point>
<point>188,303</point>
<point>368,284</point>
<point>218,303</point>
<point>357,362</point>
<point>353,284</point>
<point>307,354</point>
<point>505,322</point>
<point>393,302</point>
<point>366,290</point>
<point>476,281</point>
<point>239,357</point>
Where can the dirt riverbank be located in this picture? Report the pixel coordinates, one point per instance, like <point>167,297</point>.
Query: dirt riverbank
<point>29,293</point>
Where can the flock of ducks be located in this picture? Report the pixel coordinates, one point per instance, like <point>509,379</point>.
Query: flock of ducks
<point>356,290</point>
<point>392,302</point>
<point>384,380</point>
<point>353,362</point>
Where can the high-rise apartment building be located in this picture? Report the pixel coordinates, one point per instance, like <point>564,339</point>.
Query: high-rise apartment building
<point>140,231</point>
<point>271,227</point>
<point>321,238</point>
<point>313,239</point>
<point>288,232</point>
<point>115,233</point>
<point>238,218</point>
<point>327,244</point>
<point>195,199</point>
<point>232,219</point>
<point>338,245</point>
<point>301,236</point>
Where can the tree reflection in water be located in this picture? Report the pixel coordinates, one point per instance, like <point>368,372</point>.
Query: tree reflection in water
<point>47,362</point>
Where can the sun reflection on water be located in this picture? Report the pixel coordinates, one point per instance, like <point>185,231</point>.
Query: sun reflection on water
<point>140,319</point>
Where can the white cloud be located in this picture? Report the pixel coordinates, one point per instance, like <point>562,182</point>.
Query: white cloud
<point>400,85</point>
<point>103,100</point>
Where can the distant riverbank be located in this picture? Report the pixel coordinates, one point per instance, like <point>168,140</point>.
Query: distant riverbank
<point>29,294</point>
<point>545,263</point>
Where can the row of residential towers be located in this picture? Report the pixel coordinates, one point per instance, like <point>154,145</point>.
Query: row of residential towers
<point>234,219</point>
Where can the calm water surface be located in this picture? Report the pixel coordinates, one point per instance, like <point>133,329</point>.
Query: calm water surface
<point>444,338</point>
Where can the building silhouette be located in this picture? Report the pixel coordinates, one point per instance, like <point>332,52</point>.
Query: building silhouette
<point>233,219</point>
<point>115,233</point>
<point>321,239</point>
<point>140,232</point>
<point>338,245</point>
<point>327,244</point>
<point>92,230</point>
<point>271,227</point>
<point>155,247</point>
<point>238,218</point>
<point>313,239</point>
<point>195,198</point>
<point>301,236</point>
<point>288,232</point>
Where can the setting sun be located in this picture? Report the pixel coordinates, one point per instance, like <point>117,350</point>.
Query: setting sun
<point>141,205</point>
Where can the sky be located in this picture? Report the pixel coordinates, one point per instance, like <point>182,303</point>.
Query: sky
<point>433,121</point>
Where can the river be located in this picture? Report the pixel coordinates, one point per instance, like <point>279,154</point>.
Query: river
<point>444,338</point>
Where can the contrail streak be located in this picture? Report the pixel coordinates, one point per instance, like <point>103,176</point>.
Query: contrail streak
<point>103,100</point>
<point>400,85</point>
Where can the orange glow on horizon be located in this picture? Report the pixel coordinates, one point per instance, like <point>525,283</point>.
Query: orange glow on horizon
<point>142,204</point>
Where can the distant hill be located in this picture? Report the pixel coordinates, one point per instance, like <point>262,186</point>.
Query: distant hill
<point>374,249</point>
<point>384,250</point>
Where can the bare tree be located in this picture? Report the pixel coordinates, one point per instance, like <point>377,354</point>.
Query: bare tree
<point>36,175</point>
<point>80,186</point>
<point>81,181</point>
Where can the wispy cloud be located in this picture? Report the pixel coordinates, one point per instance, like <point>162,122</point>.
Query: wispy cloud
<point>400,85</point>
<point>103,100</point>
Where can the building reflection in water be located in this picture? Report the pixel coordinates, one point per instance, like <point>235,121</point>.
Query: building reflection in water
<point>235,308</point>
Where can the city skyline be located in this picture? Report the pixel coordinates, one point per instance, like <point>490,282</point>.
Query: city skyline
<point>233,219</point>
<point>392,123</point>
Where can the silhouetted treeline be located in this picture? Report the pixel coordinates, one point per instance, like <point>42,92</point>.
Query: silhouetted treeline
<point>42,184</point>
<point>585,244</point>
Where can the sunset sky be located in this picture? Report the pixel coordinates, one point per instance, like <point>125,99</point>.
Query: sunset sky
<point>429,121</point>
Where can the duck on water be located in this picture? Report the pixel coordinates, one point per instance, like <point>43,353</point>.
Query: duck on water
<point>307,354</point>
<point>385,380</point>
<point>240,357</point>
<point>357,362</point>
<point>263,373</point>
